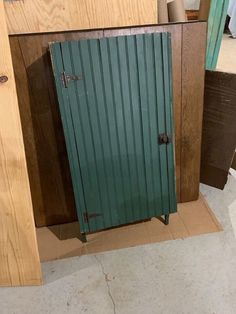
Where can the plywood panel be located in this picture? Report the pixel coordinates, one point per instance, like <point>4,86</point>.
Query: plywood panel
<point>49,170</point>
<point>219,128</point>
<point>27,16</point>
<point>193,58</point>
<point>19,258</point>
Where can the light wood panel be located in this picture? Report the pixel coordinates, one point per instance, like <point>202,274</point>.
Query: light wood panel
<point>193,73</point>
<point>27,16</point>
<point>19,258</point>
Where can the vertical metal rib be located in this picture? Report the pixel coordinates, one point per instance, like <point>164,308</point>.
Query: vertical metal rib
<point>136,127</point>
<point>122,68</point>
<point>138,55</point>
<point>115,90</point>
<point>91,128</point>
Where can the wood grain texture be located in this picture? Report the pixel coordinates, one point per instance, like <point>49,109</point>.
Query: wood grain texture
<point>27,16</point>
<point>219,128</point>
<point>47,160</point>
<point>45,151</point>
<point>193,72</point>
<point>19,258</point>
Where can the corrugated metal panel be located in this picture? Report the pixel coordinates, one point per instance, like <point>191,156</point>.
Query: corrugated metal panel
<point>112,119</point>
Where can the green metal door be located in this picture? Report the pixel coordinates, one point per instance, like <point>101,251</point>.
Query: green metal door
<point>115,99</point>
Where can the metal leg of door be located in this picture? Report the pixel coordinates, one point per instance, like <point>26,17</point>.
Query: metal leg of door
<point>83,237</point>
<point>167,219</point>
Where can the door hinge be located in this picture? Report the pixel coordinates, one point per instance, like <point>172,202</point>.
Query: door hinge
<point>66,78</point>
<point>164,139</point>
<point>88,216</point>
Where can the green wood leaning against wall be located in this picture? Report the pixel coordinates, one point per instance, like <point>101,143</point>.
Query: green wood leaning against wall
<point>216,23</point>
<point>112,117</point>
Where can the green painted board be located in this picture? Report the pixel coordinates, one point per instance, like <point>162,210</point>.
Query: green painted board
<point>112,117</point>
<point>216,22</point>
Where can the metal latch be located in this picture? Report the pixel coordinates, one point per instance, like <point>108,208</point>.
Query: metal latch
<point>66,78</point>
<point>164,139</point>
<point>88,216</point>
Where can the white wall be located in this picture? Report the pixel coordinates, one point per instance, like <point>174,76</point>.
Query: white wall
<point>191,4</point>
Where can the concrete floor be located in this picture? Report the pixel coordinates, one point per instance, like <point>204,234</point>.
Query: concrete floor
<point>195,275</point>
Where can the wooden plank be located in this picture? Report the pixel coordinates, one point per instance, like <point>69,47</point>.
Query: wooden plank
<point>46,154</point>
<point>27,16</point>
<point>219,128</point>
<point>50,172</point>
<point>23,92</point>
<point>193,58</point>
<point>19,258</point>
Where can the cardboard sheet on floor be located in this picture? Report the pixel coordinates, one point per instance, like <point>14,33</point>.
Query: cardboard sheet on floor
<point>61,241</point>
